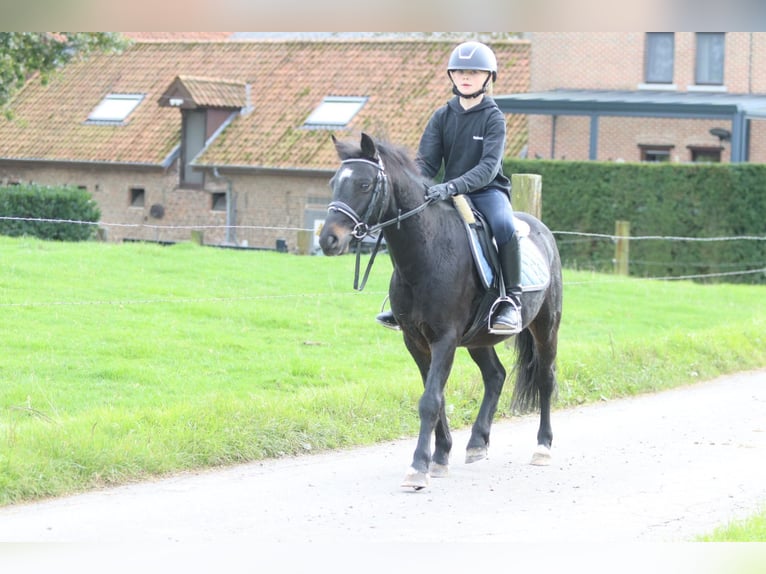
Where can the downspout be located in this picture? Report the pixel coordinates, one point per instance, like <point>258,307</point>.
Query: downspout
<point>739,138</point>
<point>231,210</point>
<point>593,151</point>
<point>554,117</point>
<point>750,67</point>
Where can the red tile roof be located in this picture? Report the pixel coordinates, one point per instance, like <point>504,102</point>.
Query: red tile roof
<point>178,36</point>
<point>206,93</point>
<point>404,82</point>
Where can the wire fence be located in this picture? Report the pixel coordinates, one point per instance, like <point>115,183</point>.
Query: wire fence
<point>712,268</point>
<point>754,268</point>
<point>283,228</point>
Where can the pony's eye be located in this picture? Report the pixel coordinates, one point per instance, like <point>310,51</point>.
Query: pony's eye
<point>365,185</point>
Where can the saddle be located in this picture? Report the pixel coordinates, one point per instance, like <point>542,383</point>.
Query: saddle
<point>535,275</point>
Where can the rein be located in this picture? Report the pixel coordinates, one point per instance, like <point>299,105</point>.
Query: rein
<point>361,226</point>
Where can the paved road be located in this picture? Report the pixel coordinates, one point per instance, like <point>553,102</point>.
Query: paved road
<point>662,467</point>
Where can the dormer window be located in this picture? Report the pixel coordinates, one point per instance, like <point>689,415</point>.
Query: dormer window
<point>206,105</point>
<point>334,112</point>
<point>115,108</point>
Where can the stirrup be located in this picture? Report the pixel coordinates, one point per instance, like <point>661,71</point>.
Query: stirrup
<point>504,329</point>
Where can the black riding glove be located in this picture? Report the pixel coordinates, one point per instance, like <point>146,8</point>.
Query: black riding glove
<point>441,191</point>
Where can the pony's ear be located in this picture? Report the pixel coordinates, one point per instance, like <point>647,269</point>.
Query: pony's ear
<point>368,147</point>
<point>340,147</point>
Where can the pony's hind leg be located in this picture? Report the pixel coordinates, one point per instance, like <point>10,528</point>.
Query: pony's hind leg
<point>493,375</point>
<point>536,382</point>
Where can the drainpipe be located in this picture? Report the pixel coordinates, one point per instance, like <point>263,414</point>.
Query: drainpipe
<point>553,136</point>
<point>231,210</point>
<point>750,66</point>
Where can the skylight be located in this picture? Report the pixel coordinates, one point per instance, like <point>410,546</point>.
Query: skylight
<point>115,108</point>
<point>334,112</point>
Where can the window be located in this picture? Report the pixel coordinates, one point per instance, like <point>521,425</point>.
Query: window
<point>655,153</point>
<point>334,112</point>
<point>660,54</point>
<point>708,69</point>
<point>137,197</point>
<point>115,108</point>
<point>218,201</point>
<point>702,154</point>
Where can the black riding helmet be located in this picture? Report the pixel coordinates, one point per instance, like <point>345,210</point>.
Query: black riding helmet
<point>473,56</point>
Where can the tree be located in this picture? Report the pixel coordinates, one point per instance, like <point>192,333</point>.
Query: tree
<point>23,54</point>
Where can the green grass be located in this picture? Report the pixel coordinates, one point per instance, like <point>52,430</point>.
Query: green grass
<point>752,529</point>
<point>127,361</point>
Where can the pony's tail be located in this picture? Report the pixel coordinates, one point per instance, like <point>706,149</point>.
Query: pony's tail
<point>529,376</point>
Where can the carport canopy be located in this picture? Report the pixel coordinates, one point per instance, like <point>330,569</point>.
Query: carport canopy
<point>738,109</point>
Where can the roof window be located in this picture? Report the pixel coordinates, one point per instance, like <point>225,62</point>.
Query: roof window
<point>115,108</point>
<point>335,111</point>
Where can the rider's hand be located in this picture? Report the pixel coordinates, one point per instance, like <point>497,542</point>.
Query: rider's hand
<point>441,191</point>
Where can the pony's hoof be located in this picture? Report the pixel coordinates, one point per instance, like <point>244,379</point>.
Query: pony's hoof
<point>415,479</point>
<point>438,470</point>
<point>541,456</point>
<point>475,454</point>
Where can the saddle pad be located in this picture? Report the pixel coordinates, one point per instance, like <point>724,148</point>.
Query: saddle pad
<point>535,274</point>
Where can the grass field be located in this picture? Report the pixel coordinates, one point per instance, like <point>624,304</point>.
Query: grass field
<point>127,361</point>
<point>752,529</point>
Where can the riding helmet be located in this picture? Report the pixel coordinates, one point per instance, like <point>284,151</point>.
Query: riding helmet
<point>473,56</point>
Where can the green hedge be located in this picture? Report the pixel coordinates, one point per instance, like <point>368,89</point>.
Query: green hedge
<point>50,203</point>
<point>668,200</point>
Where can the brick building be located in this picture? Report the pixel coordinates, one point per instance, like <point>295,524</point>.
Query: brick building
<point>638,96</point>
<point>228,139</point>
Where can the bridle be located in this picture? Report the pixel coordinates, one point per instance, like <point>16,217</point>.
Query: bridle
<point>377,203</point>
<point>362,227</point>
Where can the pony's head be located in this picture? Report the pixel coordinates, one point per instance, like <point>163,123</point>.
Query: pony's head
<point>374,179</point>
<point>361,190</point>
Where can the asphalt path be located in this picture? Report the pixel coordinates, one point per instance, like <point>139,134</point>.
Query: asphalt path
<point>664,467</point>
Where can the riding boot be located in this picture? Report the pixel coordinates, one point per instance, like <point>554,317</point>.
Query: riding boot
<point>508,319</point>
<point>388,320</point>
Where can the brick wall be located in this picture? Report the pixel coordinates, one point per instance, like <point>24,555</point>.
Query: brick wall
<point>615,61</point>
<point>279,205</point>
<point>270,207</point>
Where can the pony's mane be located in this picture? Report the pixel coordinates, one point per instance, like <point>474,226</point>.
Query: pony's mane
<point>398,161</point>
<point>396,154</point>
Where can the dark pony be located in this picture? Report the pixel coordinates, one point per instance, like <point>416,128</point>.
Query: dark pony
<point>435,292</point>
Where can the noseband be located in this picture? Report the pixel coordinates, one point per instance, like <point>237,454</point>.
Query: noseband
<point>377,202</point>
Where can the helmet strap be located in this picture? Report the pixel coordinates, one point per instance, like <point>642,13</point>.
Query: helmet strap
<point>473,95</point>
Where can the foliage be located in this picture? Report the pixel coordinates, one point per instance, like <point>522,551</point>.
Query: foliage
<point>667,200</point>
<point>28,202</point>
<point>22,54</point>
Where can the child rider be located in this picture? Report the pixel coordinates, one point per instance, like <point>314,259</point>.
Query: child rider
<point>467,135</point>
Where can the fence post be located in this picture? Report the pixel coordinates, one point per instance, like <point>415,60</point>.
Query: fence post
<point>198,236</point>
<point>621,247</point>
<point>526,196</point>
<point>526,193</point>
<point>305,242</point>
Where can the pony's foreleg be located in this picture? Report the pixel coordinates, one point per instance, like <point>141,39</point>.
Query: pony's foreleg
<point>439,466</point>
<point>432,418</point>
<point>493,375</point>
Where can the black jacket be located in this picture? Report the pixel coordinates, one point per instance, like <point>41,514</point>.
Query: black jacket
<point>469,142</point>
